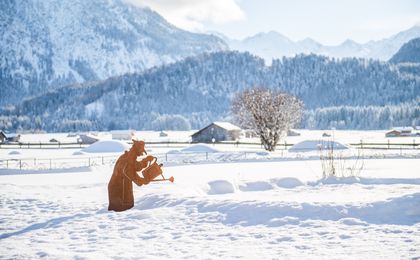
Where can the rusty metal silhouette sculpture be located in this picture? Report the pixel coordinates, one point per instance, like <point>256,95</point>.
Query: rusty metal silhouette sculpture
<point>120,186</point>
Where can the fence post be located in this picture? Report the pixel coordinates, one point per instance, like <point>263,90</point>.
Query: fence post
<point>40,144</point>
<point>7,164</point>
<point>59,143</point>
<point>89,161</point>
<point>388,143</point>
<point>207,156</point>
<point>285,145</point>
<point>166,157</point>
<point>414,143</point>
<point>361,144</point>
<point>20,164</point>
<point>102,160</point>
<point>50,165</point>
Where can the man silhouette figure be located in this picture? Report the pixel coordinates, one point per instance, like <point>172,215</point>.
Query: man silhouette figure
<point>120,186</point>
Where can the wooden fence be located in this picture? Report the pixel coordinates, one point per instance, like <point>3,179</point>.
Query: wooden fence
<point>55,163</point>
<point>88,161</point>
<point>281,145</point>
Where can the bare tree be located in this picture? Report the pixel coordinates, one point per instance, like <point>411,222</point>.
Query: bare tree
<point>269,112</point>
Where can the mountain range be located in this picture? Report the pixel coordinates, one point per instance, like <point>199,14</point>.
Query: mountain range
<point>273,45</point>
<point>105,64</point>
<point>51,43</point>
<point>350,93</point>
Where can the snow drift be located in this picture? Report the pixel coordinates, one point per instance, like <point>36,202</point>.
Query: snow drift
<point>221,187</point>
<point>107,146</point>
<point>200,148</point>
<point>248,209</point>
<point>316,145</point>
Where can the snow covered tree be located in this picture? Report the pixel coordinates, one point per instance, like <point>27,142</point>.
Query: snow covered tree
<point>348,93</point>
<point>170,122</point>
<point>269,112</point>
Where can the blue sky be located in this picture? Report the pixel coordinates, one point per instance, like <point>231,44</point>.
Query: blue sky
<point>327,21</point>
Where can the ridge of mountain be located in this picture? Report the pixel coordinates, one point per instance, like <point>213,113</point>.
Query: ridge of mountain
<point>50,43</point>
<point>274,45</point>
<point>364,94</point>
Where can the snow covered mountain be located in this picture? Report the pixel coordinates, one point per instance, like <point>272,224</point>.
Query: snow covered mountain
<point>409,52</point>
<point>275,45</point>
<point>349,93</point>
<point>50,43</point>
<point>266,45</point>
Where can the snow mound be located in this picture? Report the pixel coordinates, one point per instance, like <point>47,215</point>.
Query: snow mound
<point>262,153</point>
<point>14,153</point>
<point>277,222</point>
<point>174,152</point>
<point>316,145</point>
<point>106,146</point>
<point>201,148</point>
<point>221,187</point>
<point>352,222</point>
<point>364,181</point>
<point>397,210</point>
<point>79,153</point>
<point>256,186</point>
<point>337,180</point>
<point>288,183</point>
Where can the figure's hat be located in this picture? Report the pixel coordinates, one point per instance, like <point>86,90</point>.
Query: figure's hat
<point>139,146</point>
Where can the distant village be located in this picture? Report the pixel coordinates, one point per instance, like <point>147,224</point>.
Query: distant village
<point>212,133</point>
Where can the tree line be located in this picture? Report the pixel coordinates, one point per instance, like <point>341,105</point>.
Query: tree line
<point>350,93</point>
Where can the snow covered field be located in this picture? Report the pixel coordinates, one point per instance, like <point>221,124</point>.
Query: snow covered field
<point>256,207</point>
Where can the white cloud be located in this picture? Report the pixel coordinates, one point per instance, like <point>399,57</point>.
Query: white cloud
<point>191,14</point>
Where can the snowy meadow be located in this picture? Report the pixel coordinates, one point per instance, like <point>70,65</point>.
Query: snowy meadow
<point>226,205</point>
<point>218,84</point>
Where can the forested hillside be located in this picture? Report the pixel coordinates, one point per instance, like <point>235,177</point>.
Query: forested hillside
<point>349,93</point>
<point>409,52</point>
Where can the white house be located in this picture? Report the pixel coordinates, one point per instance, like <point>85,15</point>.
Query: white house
<point>123,134</point>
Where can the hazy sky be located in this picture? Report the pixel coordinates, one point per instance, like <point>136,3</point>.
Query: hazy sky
<point>327,21</point>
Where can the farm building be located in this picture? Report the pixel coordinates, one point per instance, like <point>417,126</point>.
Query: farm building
<point>2,137</point>
<point>9,137</point>
<point>393,133</point>
<point>291,132</point>
<point>90,138</point>
<point>402,131</point>
<point>123,134</point>
<point>217,131</point>
<point>87,139</point>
